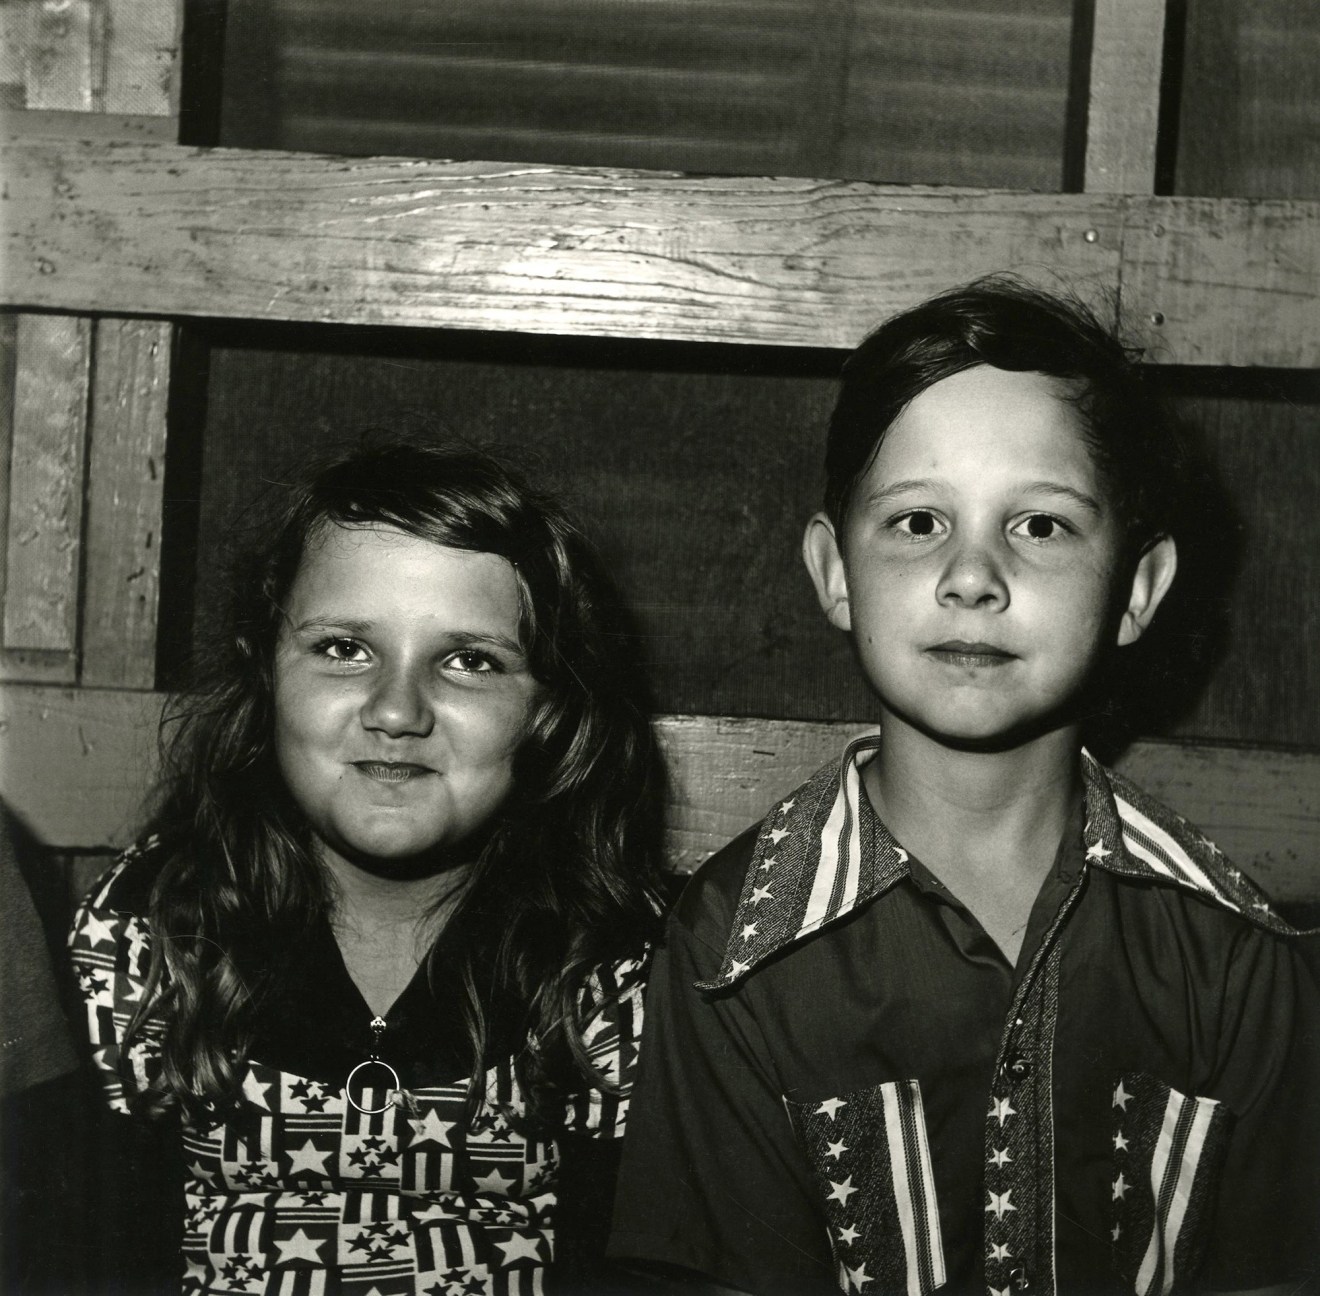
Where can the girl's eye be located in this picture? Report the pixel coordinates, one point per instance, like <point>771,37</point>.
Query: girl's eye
<point>471,662</point>
<point>920,522</point>
<point>343,650</point>
<point>1039,526</point>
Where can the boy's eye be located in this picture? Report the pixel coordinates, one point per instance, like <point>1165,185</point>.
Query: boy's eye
<point>1039,526</point>
<point>920,522</point>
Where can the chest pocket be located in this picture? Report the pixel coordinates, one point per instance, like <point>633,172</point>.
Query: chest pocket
<point>1168,1151</point>
<point>870,1162</point>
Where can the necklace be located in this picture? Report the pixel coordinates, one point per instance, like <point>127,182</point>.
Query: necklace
<point>364,1084</point>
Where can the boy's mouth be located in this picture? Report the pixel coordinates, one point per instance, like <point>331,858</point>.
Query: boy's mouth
<point>391,771</point>
<point>957,652</point>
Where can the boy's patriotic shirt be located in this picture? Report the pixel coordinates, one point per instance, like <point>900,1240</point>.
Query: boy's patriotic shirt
<point>893,1108</point>
<point>301,1194</point>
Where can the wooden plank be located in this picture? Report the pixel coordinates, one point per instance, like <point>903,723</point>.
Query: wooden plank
<point>1127,49</point>
<point>46,484</point>
<point>1224,281</point>
<point>88,758</point>
<point>142,53</point>
<point>61,125</point>
<point>173,231</point>
<point>161,230</point>
<point>62,64</point>
<point>126,476</point>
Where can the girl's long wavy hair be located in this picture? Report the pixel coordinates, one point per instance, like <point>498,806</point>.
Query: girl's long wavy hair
<point>566,880</point>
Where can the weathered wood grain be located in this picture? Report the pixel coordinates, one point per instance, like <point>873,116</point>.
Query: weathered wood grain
<point>1127,47</point>
<point>46,484</point>
<point>142,51</point>
<point>1225,281</point>
<point>126,476</point>
<point>61,63</point>
<point>162,230</point>
<point>77,766</point>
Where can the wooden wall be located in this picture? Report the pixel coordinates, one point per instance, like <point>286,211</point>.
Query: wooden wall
<point>705,430</point>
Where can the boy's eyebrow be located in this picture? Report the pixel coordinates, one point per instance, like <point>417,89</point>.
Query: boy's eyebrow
<point>1088,502</point>
<point>920,484</point>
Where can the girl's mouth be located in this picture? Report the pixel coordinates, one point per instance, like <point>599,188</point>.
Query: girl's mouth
<point>392,771</point>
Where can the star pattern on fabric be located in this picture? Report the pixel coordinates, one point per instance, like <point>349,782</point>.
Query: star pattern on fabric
<point>1121,1186</point>
<point>778,834</point>
<point>308,1159</point>
<point>901,855</point>
<point>494,1182</point>
<point>1116,1232</point>
<point>841,1191</point>
<point>301,1246</point>
<point>761,893</point>
<point>768,863</point>
<point>748,931</point>
<point>1097,851</point>
<point>786,806</point>
<point>737,968</point>
<point>1000,1157</point>
<point>311,1094</point>
<point>520,1247</point>
<point>1120,1143</point>
<point>1000,1109</point>
<point>1000,1251</point>
<point>836,1150</point>
<point>848,1235</point>
<point>858,1277</point>
<point>255,1090</point>
<point>431,1129</point>
<point>1121,1097</point>
<point>1000,1204</point>
<point>831,1107</point>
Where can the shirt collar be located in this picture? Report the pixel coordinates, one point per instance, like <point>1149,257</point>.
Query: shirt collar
<point>821,853</point>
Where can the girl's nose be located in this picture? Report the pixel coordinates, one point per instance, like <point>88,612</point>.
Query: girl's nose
<point>973,577</point>
<point>399,705</point>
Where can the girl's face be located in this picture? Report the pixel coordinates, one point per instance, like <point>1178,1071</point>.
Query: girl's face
<point>402,693</point>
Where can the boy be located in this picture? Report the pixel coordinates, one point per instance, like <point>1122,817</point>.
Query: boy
<point>967,1010</point>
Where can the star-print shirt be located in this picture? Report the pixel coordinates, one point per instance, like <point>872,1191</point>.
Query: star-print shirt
<point>299,1193</point>
<point>846,1086</point>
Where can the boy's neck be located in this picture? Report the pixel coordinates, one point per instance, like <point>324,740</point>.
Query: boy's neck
<point>967,814</point>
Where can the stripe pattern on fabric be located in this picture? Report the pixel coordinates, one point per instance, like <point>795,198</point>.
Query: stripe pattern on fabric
<point>1168,1151</point>
<point>820,853</point>
<point>870,1161</point>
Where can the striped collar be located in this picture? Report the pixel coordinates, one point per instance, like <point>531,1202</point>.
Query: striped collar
<point>821,853</point>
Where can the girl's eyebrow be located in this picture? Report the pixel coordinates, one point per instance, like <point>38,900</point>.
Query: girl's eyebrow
<point>352,626</point>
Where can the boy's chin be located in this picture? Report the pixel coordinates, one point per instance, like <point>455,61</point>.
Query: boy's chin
<point>988,734</point>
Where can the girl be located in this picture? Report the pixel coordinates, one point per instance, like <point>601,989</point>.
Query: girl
<point>379,957</point>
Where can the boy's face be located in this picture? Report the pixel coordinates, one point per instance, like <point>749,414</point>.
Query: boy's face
<point>979,565</point>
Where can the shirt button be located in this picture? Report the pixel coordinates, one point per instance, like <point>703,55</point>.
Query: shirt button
<point>1017,1066</point>
<point>1019,1280</point>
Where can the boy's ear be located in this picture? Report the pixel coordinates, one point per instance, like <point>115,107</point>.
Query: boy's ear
<point>1154,575</point>
<point>820,551</point>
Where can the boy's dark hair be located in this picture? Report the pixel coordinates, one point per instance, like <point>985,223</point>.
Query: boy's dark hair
<point>1003,322</point>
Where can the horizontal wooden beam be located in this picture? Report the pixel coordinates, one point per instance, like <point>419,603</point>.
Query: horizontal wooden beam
<point>163,230</point>
<point>77,766</point>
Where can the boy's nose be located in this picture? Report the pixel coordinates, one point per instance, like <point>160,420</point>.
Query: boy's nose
<point>973,578</point>
<point>399,705</point>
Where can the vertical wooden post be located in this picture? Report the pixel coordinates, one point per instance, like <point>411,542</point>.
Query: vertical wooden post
<point>90,394</point>
<point>1127,56</point>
